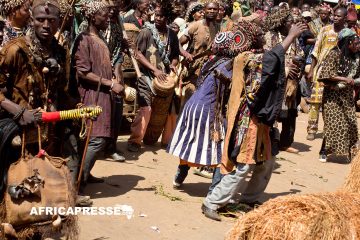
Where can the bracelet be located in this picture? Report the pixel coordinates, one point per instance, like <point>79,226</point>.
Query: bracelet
<point>19,114</point>
<point>112,85</point>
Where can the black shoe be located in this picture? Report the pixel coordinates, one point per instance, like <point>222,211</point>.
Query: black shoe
<point>92,179</point>
<point>133,147</point>
<point>209,213</point>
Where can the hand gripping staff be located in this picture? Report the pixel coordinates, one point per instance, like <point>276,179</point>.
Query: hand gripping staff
<point>83,113</point>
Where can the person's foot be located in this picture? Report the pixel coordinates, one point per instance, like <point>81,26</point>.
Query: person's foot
<point>209,213</point>
<point>83,201</point>
<point>92,179</point>
<point>310,137</point>
<point>133,147</point>
<point>290,150</point>
<point>304,106</point>
<point>117,157</point>
<point>181,174</point>
<point>176,185</point>
<point>203,172</point>
<point>323,158</point>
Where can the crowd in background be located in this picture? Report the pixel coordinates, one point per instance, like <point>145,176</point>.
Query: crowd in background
<point>214,78</point>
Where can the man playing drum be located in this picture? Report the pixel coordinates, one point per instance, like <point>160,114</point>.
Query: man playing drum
<point>158,53</point>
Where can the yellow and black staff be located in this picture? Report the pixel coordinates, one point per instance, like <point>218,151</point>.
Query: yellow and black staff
<point>81,113</point>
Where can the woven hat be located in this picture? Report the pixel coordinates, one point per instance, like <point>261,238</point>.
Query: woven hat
<point>90,7</point>
<point>8,5</point>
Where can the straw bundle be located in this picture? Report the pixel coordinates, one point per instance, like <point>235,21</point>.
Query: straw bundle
<point>314,216</point>
<point>329,216</point>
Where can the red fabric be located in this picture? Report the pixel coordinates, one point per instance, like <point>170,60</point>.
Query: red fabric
<point>51,116</point>
<point>140,21</point>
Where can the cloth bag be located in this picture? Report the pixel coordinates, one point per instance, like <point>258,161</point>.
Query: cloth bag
<point>56,191</point>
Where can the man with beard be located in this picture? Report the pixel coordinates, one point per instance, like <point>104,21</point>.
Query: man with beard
<point>326,40</point>
<point>17,15</point>
<point>90,49</point>
<point>158,53</point>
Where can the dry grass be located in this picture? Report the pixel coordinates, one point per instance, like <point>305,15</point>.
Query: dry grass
<point>314,216</point>
<point>325,216</point>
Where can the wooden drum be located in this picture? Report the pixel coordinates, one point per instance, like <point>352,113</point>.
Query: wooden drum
<point>164,89</point>
<point>160,108</point>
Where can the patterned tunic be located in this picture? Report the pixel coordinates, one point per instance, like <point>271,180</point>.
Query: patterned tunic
<point>11,33</point>
<point>340,124</point>
<point>326,40</point>
<point>248,132</point>
<point>315,26</point>
<point>192,140</point>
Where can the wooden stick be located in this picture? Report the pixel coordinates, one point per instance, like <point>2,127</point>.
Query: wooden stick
<point>88,137</point>
<point>134,61</point>
<point>65,19</point>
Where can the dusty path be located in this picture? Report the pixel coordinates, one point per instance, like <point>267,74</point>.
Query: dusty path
<point>133,183</point>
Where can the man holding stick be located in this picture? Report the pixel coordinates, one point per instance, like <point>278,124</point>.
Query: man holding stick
<point>90,49</point>
<point>40,85</point>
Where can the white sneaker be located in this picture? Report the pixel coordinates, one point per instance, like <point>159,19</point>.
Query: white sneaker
<point>323,158</point>
<point>176,185</point>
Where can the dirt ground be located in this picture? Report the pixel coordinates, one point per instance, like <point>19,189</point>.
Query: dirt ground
<point>176,213</point>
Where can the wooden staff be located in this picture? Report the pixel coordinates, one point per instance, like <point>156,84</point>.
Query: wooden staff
<point>88,137</point>
<point>65,19</point>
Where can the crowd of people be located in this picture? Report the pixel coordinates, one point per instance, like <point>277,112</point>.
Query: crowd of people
<point>215,78</point>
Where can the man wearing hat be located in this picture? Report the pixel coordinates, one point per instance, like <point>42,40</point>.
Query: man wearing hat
<point>89,50</point>
<point>17,13</point>
<point>24,91</point>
